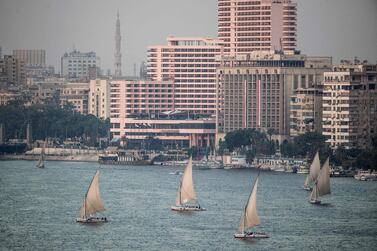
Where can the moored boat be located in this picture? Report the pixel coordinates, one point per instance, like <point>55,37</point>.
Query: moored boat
<point>366,175</point>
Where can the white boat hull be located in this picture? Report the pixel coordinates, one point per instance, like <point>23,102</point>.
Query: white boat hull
<point>187,208</point>
<point>308,188</point>
<point>255,235</point>
<point>91,220</point>
<point>315,201</point>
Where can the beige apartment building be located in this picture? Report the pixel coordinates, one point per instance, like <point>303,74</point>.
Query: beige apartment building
<point>350,105</point>
<point>255,91</point>
<point>76,94</point>
<point>36,58</point>
<point>262,25</point>
<point>306,111</point>
<point>190,63</point>
<point>12,70</point>
<point>99,98</point>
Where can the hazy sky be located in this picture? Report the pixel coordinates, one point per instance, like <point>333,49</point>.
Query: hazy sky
<point>338,28</point>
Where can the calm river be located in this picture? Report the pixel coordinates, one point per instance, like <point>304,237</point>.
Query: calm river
<point>38,208</point>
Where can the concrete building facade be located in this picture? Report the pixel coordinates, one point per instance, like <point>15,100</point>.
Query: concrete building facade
<point>99,98</point>
<point>255,91</point>
<point>350,105</point>
<point>262,25</point>
<point>12,70</point>
<point>306,111</point>
<point>35,58</point>
<point>76,94</point>
<point>76,65</point>
<point>190,64</point>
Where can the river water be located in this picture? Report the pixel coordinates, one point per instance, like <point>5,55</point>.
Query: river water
<point>38,208</point>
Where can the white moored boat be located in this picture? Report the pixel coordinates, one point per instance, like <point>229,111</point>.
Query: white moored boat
<point>92,204</point>
<point>322,184</point>
<point>250,217</point>
<point>186,197</point>
<point>41,160</point>
<point>313,172</point>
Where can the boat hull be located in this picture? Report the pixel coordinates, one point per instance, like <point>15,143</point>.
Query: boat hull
<point>308,188</point>
<point>315,202</point>
<point>41,166</point>
<point>187,208</point>
<point>91,220</point>
<point>255,235</point>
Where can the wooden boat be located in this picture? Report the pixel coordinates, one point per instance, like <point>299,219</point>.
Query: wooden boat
<point>250,217</point>
<point>322,184</point>
<point>92,204</point>
<point>186,199</point>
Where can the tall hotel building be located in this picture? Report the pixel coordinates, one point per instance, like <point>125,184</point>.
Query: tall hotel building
<point>190,64</point>
<point>350,105</point>
<point>262,25</point>
<point>255,91</point>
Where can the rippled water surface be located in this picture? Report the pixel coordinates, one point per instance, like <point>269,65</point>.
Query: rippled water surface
<point>38,208</point>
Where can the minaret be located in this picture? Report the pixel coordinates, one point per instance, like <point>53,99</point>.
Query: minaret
<point>118,55</point>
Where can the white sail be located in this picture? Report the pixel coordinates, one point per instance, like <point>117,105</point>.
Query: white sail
<point>186,191</point>
<point>306,184</point>
<point>323,181</point>
<point>250,216</point>
<point>314,168</point>
<point>92,203</point>
<point>314,194</point>
<point>41,156</point>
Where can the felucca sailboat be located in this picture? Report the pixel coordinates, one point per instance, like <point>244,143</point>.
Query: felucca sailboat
<point>186,197</point>
<point>313,172</point>
<point>322,184</point>
<point>41,160</point>
<point>92,204</point>
<point>250,217</point>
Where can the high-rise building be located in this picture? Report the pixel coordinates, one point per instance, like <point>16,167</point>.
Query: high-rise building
<point>12,70</point>
<point>117,55</point>
<point>262,25</point>
<point>350,105</point>
<point>191,64</point>
<point>76,65</point>
<point>31,58</point>
<point>306,111</point>
<point>99,98</point>
<point>143,108</point>
<point>77,95</point>
<point>255,91</point>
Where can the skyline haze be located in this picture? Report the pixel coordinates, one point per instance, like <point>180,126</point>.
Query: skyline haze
<point>342,29</point>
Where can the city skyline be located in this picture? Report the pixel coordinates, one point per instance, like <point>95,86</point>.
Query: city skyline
<point>27,25</point>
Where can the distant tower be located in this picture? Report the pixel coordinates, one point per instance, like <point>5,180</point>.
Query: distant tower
<point>118,55</point>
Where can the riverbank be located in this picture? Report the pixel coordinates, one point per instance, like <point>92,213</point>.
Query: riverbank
<point>76,158</point>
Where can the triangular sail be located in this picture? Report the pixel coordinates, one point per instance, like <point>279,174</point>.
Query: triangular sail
<point>250,216</point>
<point>323,181</point>
<point>92,203</point>
<point>306,184</point>
<point>314,194</point>
<point>186,192</point>
<point>314,168</point>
